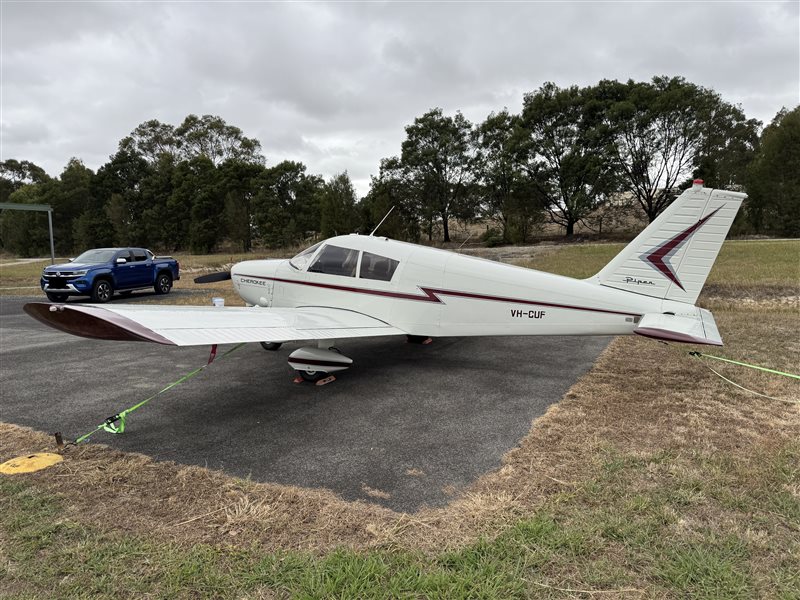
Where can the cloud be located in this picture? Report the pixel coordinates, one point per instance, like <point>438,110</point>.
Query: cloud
<point>333,85</point>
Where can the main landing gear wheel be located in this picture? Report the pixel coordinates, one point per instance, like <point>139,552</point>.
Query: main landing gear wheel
<point>271,346</point>
<point>312,376</point>
<point>56,297</point>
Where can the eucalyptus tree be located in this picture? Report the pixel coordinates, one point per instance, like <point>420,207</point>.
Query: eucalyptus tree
<point>212,137</point>
<point>438,159</point>
<point>152,140</point>
<point>773,178</point>
<point>567,146</point>
<point>506,191</point>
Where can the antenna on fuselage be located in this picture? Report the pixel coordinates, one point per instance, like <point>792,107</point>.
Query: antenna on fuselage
<point>382,220</point>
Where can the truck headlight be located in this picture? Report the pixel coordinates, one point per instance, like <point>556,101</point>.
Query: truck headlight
<point>80,273</point>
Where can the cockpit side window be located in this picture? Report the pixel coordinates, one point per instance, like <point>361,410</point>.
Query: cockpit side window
<point>377,267</point>
<point>334,260</point>
<point>300,261</point>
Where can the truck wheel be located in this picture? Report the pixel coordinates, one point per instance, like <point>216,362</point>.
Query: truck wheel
<point>102,291</point>
<point>56,297</point>
<point>163,283</point>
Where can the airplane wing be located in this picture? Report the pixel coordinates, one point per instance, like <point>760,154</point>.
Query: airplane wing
<point>203,325</point>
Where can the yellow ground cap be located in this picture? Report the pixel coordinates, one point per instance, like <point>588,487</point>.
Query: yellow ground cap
<point>30,463</point>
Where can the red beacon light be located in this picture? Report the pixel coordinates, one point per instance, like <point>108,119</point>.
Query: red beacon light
<point>697,184</point>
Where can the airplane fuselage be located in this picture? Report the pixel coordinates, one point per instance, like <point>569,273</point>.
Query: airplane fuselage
<point>434,292</point>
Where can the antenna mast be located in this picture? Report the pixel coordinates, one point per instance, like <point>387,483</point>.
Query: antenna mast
<point>382,220</point>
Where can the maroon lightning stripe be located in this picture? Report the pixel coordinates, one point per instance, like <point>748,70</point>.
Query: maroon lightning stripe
<point>433,295</point>
<point>664,251</point>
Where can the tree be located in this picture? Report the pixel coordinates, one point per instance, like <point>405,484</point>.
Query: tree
<point>26,232</point>
<point>661,131</point>
<point>286,206</point>
<point>437,155</point>
<point>391,191</point>
<point>212,137</point>
<point>156,189</point>
<point>729,144</point>
<point>239,180</point>
<point>151,140</point>
<point>773,179</point>
<point>118,188</point>
<point>567,147</point>
<point>70,199</point>
<point>338,212</point>
<point>14,174</point>
<point>505,189</point>
<point>197,200</point>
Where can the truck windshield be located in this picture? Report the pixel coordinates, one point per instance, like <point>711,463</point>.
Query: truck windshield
<point>96,256</point>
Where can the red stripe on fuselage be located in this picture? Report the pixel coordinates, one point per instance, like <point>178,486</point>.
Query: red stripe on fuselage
<point>432,295</point>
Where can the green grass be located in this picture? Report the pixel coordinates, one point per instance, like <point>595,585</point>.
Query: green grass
<point>606,534</point>
<point>746,263</point>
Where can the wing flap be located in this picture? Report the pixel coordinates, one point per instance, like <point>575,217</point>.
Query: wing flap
<point>201,325</point>
<point>700,328</point>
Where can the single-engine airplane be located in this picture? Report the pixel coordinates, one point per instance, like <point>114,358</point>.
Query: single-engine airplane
<point>355,286</point>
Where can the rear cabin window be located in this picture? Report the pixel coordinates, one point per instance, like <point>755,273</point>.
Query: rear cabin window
<point>377,267</point>
<point>334,260</point>
<point>139,255</point>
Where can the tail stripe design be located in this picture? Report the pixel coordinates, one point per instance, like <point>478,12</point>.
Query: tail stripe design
<point>673,256</point>
<point>665,251</point>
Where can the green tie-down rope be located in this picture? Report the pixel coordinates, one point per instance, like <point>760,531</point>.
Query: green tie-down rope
<point>748,365</point>
<point>116,423</point>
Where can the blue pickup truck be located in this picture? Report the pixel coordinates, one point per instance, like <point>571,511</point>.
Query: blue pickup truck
<point>101,272</point>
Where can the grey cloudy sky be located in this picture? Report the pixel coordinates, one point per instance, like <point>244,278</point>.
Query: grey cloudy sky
<point>333,84</point>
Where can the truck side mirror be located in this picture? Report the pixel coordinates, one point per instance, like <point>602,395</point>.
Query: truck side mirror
<point>121,261</point>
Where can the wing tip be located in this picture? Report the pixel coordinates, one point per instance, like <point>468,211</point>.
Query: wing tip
<point>92,322</point>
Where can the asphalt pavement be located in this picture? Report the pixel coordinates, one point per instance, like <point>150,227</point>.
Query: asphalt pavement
<point>412,421</point>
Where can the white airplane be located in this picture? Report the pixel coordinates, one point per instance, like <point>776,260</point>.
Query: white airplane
<point>356,286</point>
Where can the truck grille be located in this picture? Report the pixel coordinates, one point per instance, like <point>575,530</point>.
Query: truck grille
<point>57,282</point>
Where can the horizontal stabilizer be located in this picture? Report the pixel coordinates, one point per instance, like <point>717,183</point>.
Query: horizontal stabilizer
<point>699,328</point>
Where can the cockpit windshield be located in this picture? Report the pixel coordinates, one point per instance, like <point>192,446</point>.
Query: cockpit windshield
<point>301,261</point>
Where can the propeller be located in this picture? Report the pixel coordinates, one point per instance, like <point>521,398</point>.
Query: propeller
<point>213,277</point>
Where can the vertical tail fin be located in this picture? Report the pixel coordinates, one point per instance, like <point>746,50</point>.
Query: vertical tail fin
<point>672,257</point>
